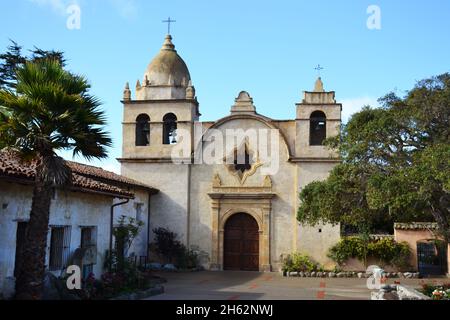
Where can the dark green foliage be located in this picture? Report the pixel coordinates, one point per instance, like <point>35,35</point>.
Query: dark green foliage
<point>299,262</point>
<point>437,292</point>
<point>173,251</point>
<point>13,59</point>
<point>47,110</point>
<point>124,234</point>
<point>386,250</point>
<point>395,164</point>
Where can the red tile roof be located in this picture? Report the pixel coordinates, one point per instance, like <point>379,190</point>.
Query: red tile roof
<point>84,177</point>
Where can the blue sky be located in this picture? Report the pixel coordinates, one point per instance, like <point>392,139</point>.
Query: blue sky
<point>269,48</point>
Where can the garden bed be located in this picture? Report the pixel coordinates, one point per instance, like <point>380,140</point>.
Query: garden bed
<point>141,294</point>
<point>437,292</point>
<point>349,274</point>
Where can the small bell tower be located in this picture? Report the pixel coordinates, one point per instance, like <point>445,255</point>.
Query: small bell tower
<point>318,118</point>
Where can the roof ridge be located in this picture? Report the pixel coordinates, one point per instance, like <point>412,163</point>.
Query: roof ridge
<point>83,175</point>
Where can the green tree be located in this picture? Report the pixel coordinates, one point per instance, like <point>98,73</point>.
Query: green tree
<point>124,235</point>
<point>49,110</point>
<point>13,59</point>
<point>395,163</point>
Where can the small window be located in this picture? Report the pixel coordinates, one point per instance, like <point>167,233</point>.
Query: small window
<point>318,128</point>
<point>170,129</point>
<point>89,244</point>
<point>139,213</point>
<point>20,241</point>
<point>143,130</point>
<point>88,237</point>
<point>59,247</point>
<point>242,161</point>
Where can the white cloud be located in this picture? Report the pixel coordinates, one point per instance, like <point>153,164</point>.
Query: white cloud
<point>353,105</point>
<point>58,6</point>
<point>126,8</point>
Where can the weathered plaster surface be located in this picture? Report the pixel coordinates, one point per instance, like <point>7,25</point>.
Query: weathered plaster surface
<point>73,209</point>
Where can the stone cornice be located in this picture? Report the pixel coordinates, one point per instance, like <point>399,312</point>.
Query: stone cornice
<point>241,195</point>
<point>193,101</point>
<point>157,122</point>
<point>324,160</point>
<point>155,160</point>
<point>328,119</point>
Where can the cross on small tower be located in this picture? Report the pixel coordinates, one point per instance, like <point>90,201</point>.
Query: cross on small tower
<point>168,21</point>
<point>318,68</point>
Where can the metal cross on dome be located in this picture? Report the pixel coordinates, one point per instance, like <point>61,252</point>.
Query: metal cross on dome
<point>168,21</point>
<point>318,68</point>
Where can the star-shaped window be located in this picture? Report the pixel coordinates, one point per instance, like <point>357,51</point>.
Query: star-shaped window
<point>244,164</point>
<point>242,161</point>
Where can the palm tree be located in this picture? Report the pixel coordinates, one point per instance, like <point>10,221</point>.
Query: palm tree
<point>50,110</point>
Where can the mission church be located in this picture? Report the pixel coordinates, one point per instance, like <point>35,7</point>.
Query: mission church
<point>235,212</point>
<point>241,217</point>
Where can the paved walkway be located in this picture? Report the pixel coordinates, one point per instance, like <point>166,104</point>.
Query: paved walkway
<point>231,285</point>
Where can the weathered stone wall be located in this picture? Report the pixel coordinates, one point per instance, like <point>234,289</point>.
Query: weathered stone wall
<point>282,217</point>
<point>184,111</point>
<point>136,208</point>
<point>304,111</point>
<point>184,206</point>
<point>315,241</point>
<point>169,206</point>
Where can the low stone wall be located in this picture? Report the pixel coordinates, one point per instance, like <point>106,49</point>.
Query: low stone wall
<point>350,274</point>
<point>354,264</point>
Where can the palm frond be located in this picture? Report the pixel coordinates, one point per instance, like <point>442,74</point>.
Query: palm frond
<point>52,110</point>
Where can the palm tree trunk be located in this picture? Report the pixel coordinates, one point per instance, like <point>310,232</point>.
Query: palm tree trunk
<point>29,283</point>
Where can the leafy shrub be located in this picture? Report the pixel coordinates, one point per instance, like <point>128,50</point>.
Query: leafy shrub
<point>349,247</point>
<point>173,251</point>
<point>124,234</point>
<point>187,259</point>
<point>386,250</point>
<point>391,252</point>
<point>112,284</point>
<point>437,292</point>
<point>299,262</point>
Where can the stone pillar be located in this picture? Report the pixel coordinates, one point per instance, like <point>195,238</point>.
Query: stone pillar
<point>215,249</point>
<point>448,260</point>
<point>265,265</point>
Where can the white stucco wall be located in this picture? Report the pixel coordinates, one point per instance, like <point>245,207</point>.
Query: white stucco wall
<point>315,241</point>
<point>169,206</point>
<point>73,209</point>
<point>131,209</point>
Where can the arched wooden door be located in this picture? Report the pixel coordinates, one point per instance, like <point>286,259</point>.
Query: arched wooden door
<point>241,243</point>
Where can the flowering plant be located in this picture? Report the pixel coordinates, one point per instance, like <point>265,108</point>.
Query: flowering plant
<point>437,292</point>
<point>440,294</point>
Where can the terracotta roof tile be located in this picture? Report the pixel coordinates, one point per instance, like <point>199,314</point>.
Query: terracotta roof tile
<point>84,177</point>
<point>99,173</point>
<point>416,226</point>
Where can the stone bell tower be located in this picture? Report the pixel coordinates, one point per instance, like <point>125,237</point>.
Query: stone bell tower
<point>318,118</point>
<point>164,103</point>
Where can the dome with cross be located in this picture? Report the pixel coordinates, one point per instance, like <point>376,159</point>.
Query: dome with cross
<point>167,68</point>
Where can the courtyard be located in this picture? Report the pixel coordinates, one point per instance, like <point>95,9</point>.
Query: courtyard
<point>239,285</point>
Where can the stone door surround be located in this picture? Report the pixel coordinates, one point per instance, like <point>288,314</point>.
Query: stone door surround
<point>227,201</point>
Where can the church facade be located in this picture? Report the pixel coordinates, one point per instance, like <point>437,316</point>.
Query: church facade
<point>240,209</point>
